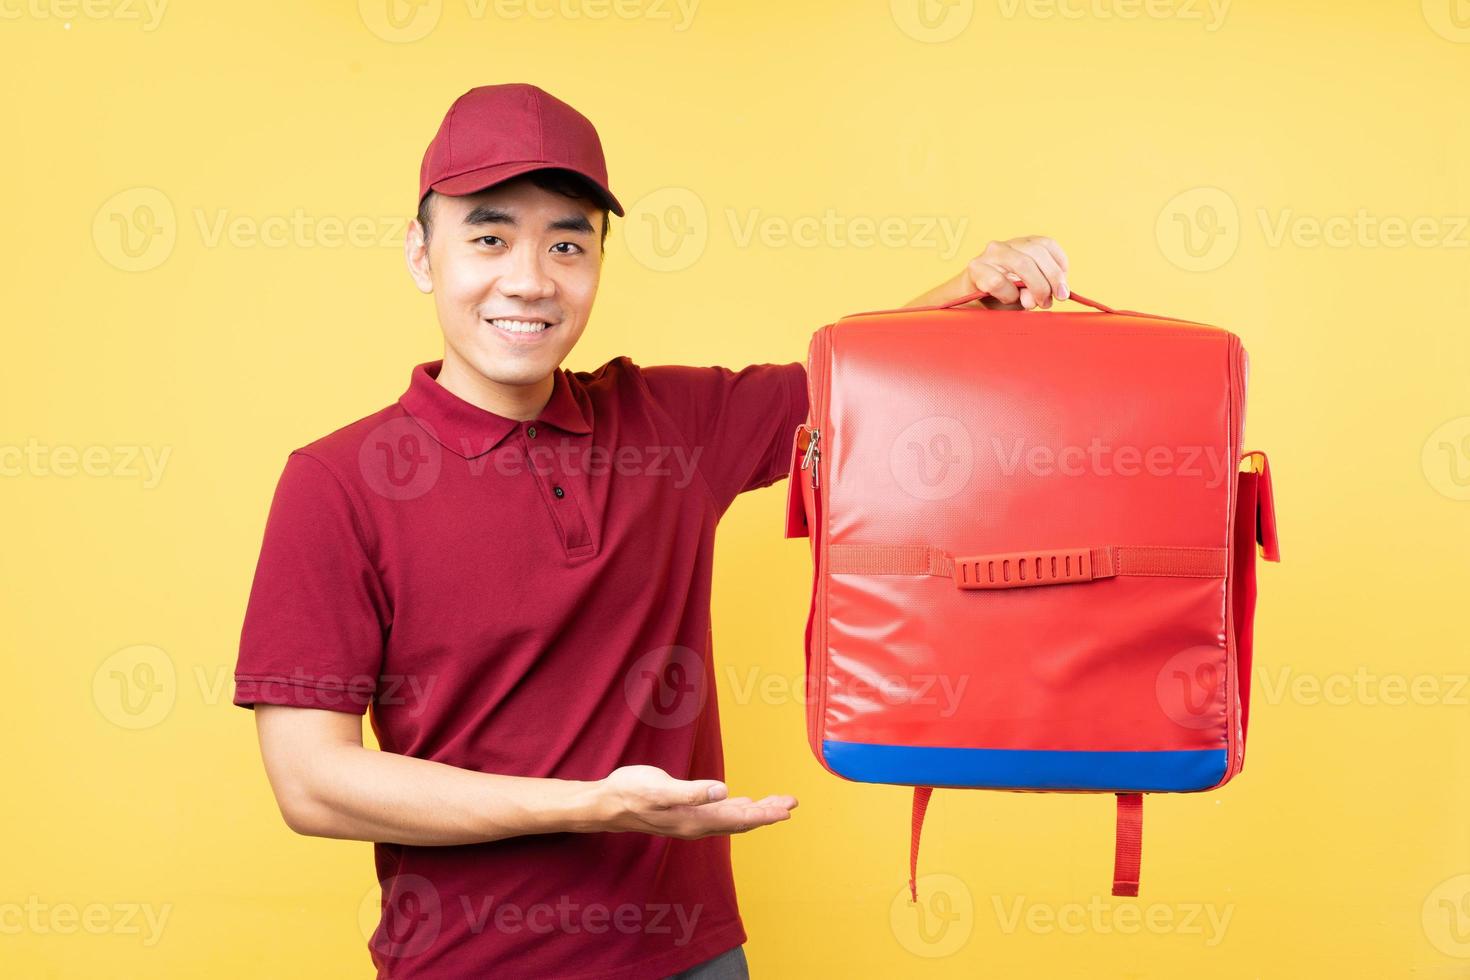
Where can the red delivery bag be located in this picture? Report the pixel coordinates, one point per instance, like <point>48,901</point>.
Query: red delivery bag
<point>1034,538</point>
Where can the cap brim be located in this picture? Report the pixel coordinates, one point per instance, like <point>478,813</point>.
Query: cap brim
<point>486,177</point>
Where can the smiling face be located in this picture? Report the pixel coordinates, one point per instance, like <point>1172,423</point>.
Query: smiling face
<point>514,271</point>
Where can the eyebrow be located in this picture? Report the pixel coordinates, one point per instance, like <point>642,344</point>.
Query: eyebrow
<point>484,215</point>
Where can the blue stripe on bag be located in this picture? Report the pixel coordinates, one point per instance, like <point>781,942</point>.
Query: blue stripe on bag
<point>1164,771</point>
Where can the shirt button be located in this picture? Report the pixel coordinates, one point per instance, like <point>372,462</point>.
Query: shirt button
<point>559,492</point>
<point>531,432</point>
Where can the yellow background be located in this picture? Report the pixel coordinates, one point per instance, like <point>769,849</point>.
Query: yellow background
<point>1182,157</point>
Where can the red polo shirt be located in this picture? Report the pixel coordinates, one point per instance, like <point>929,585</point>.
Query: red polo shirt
<point>529,598</point>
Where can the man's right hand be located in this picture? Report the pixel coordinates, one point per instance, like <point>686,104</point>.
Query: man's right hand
<point>648,800</point>
<point>329,785</point>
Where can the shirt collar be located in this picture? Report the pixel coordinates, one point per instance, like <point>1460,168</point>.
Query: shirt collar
<point>469,430</point>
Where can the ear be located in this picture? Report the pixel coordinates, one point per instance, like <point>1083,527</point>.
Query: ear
<point>416,254</point>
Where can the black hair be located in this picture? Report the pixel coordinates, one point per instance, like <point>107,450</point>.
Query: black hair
<point>564,182</point>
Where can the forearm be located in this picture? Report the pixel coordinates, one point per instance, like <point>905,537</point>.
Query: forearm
<point>356,793</point>
<point>951,289</point>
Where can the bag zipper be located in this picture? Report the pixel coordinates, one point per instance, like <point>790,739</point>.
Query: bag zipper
<point>818,358</point>
<point>813,454</point>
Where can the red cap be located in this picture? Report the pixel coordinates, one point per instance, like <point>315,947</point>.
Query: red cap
<point>496,132</point>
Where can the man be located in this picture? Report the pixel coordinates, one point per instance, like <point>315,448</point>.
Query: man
<point>511,566</point>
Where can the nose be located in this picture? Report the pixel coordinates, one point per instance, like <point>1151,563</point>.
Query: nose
<point>524,275</point>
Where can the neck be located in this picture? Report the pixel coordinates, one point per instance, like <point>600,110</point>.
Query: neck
<point>512,401</point>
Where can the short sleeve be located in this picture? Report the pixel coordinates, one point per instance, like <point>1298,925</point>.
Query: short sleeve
<point>317,616</point>
<point>740,423</point>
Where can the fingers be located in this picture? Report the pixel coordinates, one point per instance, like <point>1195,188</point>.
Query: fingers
<point>1056,252</point>
<point>689,792</point>
<point>789,802</point>
<point>732,817</point>
<point>738,815</point>
<point>991,303</point>
<point>1037,284</point>
<point>1028,272</point>
<point>652,801</point>
<point>987,274</point>
<point>1047,265</point>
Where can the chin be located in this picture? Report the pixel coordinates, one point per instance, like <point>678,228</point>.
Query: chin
<point>513,369</point>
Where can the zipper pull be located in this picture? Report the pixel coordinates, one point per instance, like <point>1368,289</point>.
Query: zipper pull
<point>813,454</point>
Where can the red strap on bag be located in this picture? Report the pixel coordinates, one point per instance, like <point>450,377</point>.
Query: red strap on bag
<point>1265,522</point>
<point>1028,568</point>
<point>921,804</point>
<point>982,294</point>
<point>1128,850</point>
<point>1255,530</point>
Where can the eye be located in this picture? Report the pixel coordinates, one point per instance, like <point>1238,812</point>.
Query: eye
<point>573,245</point>
<point>489,239</point>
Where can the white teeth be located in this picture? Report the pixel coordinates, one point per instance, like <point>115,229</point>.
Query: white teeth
<point>520,326</point>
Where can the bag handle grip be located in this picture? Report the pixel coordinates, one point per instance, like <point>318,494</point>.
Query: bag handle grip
<point>980,294</point>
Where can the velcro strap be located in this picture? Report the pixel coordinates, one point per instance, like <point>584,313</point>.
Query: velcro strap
<point>1128,845</point>
<point>1176,562</point>
<point>1019,569</point>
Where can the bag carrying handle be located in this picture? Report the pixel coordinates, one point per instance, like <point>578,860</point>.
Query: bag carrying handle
<point>981,294</point>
